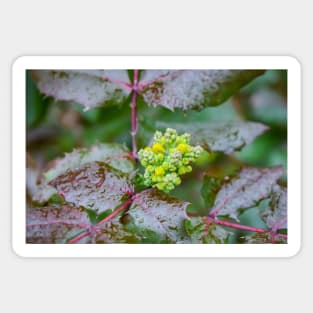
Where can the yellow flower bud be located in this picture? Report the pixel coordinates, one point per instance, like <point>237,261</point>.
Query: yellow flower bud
<point>183,148</point>
<point>157,147</point>
<point>150,168</point>
<point>159,171</point>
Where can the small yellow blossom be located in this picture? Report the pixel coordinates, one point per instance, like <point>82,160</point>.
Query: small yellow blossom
<point>183,148</point>
<point>159,171</point>
<point>157,148</point>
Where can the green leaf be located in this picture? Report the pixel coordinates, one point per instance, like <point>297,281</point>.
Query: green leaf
<point>53,224</point>
<point>36,106</point>
<point>211,186</point>
<point>157,217</point>
<point>90,88</point>
<point>244,191</point>
<point>200,231</point>
<point>95,186</point>
<point>276,216</point>
<point>192,89</point>
<point>116,155</point>
<point>221,136</point>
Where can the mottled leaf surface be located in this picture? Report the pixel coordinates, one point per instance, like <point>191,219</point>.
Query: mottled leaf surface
<point>264,238</point>
<point>158,216</point>
<point>37,190</point>
<point>90,88</point>
<point>202,232</point>
<point>61,224</point>
<point>114,232</point>
<point>220,136</point>
<point>116,155</point>
<point>192,89</point>
<point>276,216</point>
<point>94,186</point>
<point>244,191</point>
<point>54,224</point>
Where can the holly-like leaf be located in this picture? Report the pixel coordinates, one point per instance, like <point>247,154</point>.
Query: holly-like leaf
<point>116,155</point>
<point>54,224</point>
<point>91,88</point>
<point>192,89</point>
<point>263,238</point>
<point>67,224</point>
<point>200,231</point>
<point>37,191</point>
<point>114,231</point>
<point>157,217</point>
<point>244,191</point>
<point>95,186</point>
<point>276,216</point>
<point>220,136</point>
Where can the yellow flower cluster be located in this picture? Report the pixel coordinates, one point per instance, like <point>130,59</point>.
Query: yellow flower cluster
<point>167,159</point>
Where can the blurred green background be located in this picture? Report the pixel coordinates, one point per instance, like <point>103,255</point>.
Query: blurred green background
<point>53,129</point>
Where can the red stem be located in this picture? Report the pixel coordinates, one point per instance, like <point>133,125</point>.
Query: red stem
<point>108,218</point>
<point>214,212</point>
<point>134,113</point>
<point>235,225</point>
<point>170,75</point>
<point>116,212</point>
<point>79,237</point>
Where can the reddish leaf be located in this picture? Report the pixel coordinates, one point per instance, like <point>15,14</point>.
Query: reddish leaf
<point>54,224</point>
<point>155,212</point>
<point>115,155</point>
<point>264,238</point>
<point>202,232</point>
<point>67,224</point>
<point>91,88</point>
<point>276,216</point>
<point>94,186</point>
<point>220,136</point>
<point>193,89</point>
<point>244,191</point>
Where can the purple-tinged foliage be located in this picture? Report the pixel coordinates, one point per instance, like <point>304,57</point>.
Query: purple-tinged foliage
<point>276,216</point>
<point>54,224</point>
<point>91,88</point>
<point>244,191</point>
<point>154,212</point>
<point>202,232</point>
<point>222,136</point>
<point>95,186</point>
<point>193,89</point>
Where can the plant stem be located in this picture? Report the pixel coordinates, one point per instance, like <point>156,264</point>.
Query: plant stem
<point>235,225</point>
<point>134,113</point>
<point>79,237</point>
<point>108,218</point>
<point>117,211</point>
